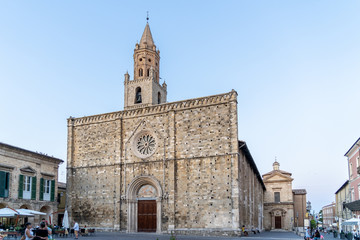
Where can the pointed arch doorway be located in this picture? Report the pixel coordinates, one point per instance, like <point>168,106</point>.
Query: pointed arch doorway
<point>144,205</point>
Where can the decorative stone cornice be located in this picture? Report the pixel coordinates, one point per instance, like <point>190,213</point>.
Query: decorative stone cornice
<point>160,108</point>
<point>47,174</point>
<point>28,170</point>
<point>7,167</point>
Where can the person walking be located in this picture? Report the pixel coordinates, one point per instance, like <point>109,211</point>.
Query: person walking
<point>307,234</point>
<point>76,230</point>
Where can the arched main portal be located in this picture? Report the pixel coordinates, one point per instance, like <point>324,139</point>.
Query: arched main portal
<point>144,204</point>
<point>277,218</point>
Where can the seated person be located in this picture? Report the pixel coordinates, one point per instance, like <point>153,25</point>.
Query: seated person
<point>42,233</point>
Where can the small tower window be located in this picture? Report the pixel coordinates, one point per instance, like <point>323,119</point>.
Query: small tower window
<point>148,72</point>
<point>138,98</point>
<point>159,97</point>
<point>141,73</point>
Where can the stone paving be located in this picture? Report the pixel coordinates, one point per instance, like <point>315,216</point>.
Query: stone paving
<point>153,236</point>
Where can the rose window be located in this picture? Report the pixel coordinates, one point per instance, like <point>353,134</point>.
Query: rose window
<point>146,144</point>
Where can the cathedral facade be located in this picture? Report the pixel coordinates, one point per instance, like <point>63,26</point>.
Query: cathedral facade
<point>162,167</point>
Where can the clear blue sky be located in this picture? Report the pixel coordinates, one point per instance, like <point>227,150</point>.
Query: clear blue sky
<point>294,64</point>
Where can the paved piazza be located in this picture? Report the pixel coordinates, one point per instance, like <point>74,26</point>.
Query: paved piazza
<point>152,236</point>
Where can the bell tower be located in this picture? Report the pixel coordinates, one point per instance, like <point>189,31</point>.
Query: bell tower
<point>145,89</point>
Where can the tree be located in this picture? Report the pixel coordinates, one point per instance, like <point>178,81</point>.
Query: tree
<point>321,216</point>
<point>313,224</point>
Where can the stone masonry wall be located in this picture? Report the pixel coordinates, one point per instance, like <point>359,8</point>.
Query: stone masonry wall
<point>195,164</point>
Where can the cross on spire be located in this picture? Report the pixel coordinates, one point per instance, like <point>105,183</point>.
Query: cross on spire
<point>147,16</point>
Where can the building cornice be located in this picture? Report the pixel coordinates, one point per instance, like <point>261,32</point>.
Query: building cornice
<point>353,147</point>
<point>154,109</point>
<point>7,167</point>
<point>21,151</point>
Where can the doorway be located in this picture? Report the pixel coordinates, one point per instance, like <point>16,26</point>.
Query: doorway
<point>147,215</point>
<point>277,222</point>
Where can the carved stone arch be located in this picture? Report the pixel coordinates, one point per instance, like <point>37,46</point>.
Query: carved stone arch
<point>140,181</point>
<point>132,201</point>
<point>282,211</point>
<point>278,212</point>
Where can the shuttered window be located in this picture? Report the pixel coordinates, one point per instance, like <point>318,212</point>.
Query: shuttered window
<point>4,184</point>
<point>47,190</point>
<point>27,187</point>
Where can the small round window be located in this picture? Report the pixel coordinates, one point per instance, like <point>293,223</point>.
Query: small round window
<point>140,59</point>
<point>149,60</point>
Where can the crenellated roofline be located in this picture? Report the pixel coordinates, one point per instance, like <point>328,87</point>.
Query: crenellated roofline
<point>154,109</point>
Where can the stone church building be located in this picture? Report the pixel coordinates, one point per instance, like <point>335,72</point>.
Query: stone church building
<point>284,207</point>
<point>162,167</point>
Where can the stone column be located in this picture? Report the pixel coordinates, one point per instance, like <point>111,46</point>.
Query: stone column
<point>272,220</point>
<point>132,215</point>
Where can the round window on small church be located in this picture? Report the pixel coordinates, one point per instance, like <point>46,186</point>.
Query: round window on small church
<point>145,145</point>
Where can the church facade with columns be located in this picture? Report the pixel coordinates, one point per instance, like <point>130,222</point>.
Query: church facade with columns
<point>160,166</point>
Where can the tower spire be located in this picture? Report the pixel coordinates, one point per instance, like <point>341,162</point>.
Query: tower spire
<point>146,40</point>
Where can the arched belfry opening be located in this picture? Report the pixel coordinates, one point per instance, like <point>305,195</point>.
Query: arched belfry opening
<point>144,197</point>
<point>138,97</point>
<point>159,97</point>
<point>141,72</point>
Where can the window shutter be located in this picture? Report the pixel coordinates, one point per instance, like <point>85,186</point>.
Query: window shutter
<point>7,178</point>
<point>21,186</point>
<point>2,183</point>
<point>33,188</point>
<point>52,197</point>
<point>41,197</point>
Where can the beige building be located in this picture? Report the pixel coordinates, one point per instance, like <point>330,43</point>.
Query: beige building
<point>28,180</point>
<point>162,167</point>
<point>284,208</point>
<point>342,196</point>
<point>328,212</point>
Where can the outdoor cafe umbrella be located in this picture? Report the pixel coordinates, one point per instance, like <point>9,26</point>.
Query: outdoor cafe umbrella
<point>352,221</point>
<point>28,211</point>
<point>65,222</point>
<point>11,213</point>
